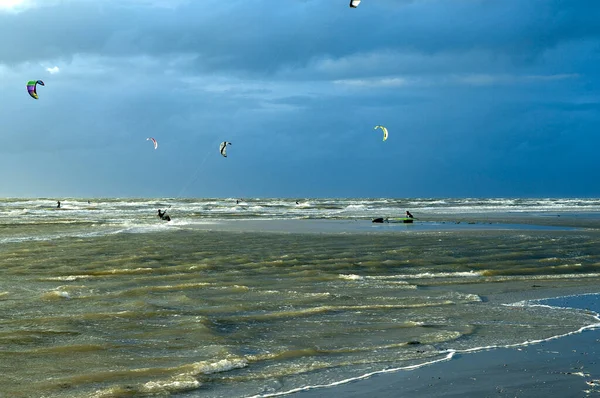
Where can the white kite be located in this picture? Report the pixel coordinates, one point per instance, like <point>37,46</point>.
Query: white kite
<point>223,148</point>
<point>154,141</point>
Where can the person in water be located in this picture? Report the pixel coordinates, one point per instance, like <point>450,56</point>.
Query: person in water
<point>408,215</point>
<point>380,220</point>
<point>58,204</point>
<point>163,215</point>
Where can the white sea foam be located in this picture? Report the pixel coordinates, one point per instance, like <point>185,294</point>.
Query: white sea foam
<point>67,278</point>
<point>447,357</point>
<point>224,365</point>
<point>429,275</point>
<point>179,384</point>
<point>56,294</point>
<point>355,207</point>
<point>351,277</point>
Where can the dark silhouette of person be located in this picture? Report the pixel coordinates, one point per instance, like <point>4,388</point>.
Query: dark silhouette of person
<point>58,204</point>
<point>163,215</point>
<point>380,220</point>
<point>408,215</point>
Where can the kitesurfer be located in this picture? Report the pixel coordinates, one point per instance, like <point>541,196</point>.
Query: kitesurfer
<point>408,215</point>
<point>163,215</point>
<point>58,204</point>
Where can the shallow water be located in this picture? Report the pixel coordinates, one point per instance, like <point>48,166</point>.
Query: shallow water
<point>106,306</point>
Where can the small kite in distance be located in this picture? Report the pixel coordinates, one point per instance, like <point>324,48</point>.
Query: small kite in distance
<point>223,148</point>
<point>354,3</point>
<point>385,132</point>
<point>154,141</point>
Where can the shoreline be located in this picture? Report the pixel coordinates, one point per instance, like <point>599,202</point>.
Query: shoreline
<point>565,365</point>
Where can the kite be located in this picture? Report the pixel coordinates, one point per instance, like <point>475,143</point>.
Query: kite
<point>223,148</point>
<point>154,141</point>
<point>385,132</point>
<point>354,3</point>
<point>31,87</point>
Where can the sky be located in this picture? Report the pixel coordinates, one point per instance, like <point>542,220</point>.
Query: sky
<point>482,98</point>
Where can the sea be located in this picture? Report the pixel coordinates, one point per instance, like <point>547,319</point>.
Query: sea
<point>254,297</point>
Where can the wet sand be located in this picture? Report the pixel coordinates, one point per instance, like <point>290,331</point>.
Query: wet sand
<point>566,366</point>
<point>366,226</point>
<point>564,219</point>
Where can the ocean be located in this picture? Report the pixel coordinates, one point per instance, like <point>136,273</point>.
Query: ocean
<point>265,297</point>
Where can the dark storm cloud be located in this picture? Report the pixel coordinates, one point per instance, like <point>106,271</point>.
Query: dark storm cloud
<point>262,37</point>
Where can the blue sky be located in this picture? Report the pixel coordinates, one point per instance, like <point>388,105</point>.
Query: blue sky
<point>482,98</point>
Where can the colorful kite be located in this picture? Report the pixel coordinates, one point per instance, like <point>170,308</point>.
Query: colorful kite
<point>31,87</point>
